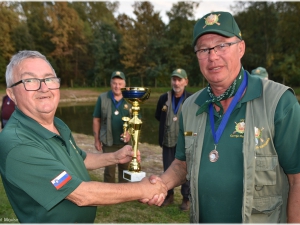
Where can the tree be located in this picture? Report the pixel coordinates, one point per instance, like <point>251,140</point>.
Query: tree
<point>9,22</point>
<point>179,34</point>
<point>139,55</point>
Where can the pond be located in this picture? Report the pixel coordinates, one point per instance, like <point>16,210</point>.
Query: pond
<point>79,118</point>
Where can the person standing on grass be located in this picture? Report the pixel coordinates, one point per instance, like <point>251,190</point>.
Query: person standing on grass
<point>167,113</point>
<point>44,173</point>
<point>238,141</point>
<point>108,124</point>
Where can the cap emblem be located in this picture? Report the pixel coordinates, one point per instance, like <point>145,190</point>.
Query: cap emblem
<point>118,73</point>
<point>212,19</point>
<point>179,70</point>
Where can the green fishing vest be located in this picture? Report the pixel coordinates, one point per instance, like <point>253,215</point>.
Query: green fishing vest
<point>265,187</point>
<point>105,127</point>
<point>171,127</point>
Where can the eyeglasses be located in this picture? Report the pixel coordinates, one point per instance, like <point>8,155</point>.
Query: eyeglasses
<point>219,50</point>
<point>34,84</point>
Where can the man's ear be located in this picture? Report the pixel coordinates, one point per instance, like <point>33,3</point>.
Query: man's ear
<point>242,48</point>
<point>10,93</point>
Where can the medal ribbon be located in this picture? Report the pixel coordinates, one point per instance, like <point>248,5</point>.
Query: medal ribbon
<point>115,102</point>
<point>217,135</point>
<point>175,110</point>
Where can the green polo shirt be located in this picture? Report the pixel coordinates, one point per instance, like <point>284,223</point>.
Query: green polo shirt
<point>221,183</point>
<point>116,121</point>
<point>31,158</point>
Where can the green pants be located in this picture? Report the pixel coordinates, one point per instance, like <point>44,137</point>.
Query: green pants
<point>110,171</point>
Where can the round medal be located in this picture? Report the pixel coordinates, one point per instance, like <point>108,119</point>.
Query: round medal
<point>175,118</point>
<point>213,156</point>
<point>116,112</point>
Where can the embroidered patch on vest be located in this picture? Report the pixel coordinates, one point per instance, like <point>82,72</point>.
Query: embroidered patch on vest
<point>239,129</point>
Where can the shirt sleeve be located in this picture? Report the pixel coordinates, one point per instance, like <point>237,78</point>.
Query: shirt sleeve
<point>34,170</point>
<point>97,110</point>
<point>287,133</point>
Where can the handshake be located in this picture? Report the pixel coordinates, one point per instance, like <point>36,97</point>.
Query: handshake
<point>154,190</point>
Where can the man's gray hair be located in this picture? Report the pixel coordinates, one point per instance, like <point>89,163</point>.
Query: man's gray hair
<point>17,59</point>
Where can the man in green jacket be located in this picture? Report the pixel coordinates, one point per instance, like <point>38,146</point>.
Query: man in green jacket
<point>238,141</point>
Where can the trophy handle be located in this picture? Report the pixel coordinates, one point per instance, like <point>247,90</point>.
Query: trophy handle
<point>125,127</point>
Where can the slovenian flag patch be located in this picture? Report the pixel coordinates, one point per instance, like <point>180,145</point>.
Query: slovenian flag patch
<point>61,180</point>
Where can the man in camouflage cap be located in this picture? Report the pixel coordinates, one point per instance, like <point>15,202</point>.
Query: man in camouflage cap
<point>232,143</point>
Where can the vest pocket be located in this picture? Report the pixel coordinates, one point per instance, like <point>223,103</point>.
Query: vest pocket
<point>266,209</point>
<point>189,143</point>
<point>265,173</point>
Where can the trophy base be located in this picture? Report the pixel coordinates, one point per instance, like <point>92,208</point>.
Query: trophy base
<point>132,176</point>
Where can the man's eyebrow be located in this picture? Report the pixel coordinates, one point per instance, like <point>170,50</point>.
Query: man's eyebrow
<point>34,75</point>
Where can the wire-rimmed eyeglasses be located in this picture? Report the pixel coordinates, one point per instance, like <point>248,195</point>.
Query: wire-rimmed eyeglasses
<point>219,50</point>
<point>34,84</point>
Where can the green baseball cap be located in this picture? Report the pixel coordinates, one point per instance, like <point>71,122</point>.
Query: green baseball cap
<point>179,73</point>
<point>260,72</point>
<point>118,74</point>
<point>221,23</point>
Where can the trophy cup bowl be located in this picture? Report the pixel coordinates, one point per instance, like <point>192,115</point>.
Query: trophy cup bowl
<point>134,96</point>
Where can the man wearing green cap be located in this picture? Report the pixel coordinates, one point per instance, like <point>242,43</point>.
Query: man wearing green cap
<point>108,124</point>
<point>167,113</point>
<point>260,72</point>
<point>238,141</point>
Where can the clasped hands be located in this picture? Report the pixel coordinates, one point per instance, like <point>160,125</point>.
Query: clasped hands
<point>154,190</point>
<point>158,197</point>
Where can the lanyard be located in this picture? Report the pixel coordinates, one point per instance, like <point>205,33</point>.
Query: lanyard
<point>217,135</point>
<point>115,102</point>
<point>175,110</point>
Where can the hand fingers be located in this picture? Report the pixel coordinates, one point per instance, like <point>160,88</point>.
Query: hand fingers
<point>160,199</point>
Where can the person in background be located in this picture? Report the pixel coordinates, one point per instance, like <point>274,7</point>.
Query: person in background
<point>238,141</point>
<point>261,73</point>
<point>167,113</point>
<point>108,124</point>
<point>7,108</point>
<point>44,173</point>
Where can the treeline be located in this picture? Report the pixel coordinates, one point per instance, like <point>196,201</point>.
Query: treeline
<point>85,42</point>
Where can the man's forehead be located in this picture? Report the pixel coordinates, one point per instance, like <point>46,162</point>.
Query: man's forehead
<point>174,77</point>
<point>117,80</point>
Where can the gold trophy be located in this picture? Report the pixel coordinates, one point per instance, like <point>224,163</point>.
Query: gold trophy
<point>134,96</point>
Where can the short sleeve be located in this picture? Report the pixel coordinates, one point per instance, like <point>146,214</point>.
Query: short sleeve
<point>287,133</point>
<point>32,169</point>
<point>97,110</point>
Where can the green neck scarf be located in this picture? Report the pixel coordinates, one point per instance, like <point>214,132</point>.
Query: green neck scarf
<point>227,94</point>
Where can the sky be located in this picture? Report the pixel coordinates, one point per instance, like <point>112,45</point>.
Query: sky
<point>205,7</point>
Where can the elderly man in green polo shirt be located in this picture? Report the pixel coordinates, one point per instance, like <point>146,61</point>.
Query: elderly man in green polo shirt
<point>238,141</point>
<point>43,171</point>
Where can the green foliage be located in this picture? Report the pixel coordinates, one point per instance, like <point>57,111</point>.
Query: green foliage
<point>85,41</point>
